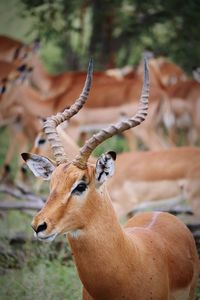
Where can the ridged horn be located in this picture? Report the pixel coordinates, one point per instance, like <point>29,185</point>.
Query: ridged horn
<point>52,122</point>
<point>85,152</point>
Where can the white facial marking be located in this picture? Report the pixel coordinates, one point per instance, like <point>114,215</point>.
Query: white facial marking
<point>45,238</point>
<point>75,233</point>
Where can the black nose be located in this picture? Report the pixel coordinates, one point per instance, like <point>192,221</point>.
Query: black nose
<point>41,227</point>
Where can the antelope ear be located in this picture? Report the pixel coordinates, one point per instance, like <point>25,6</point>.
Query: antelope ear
<point>105,167</point>
<point>39,165</point>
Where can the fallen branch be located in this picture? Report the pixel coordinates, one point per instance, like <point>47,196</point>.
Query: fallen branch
<point>175,205</point>
<point>21,205</point>
<point>19,193</point>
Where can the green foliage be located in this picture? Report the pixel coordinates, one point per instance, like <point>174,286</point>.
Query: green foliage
<point>117,31</point>
<point>114,32</point>
<point>12,23</point>
<point>117,144</point>
<point>34,270</point>
<point>46,280</point>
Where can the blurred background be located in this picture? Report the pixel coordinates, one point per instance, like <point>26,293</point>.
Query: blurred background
<point>45,47</point>
<point>113,32</point>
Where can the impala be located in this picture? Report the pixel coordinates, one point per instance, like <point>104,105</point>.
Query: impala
<point>69,83</point>
<point>185,107</point>
<point>12,50</point>
<point>166,72</point>
<point>12,74</point>
<point>140,261</point>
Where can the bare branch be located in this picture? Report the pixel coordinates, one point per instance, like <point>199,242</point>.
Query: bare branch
<point>20,205</point>
<point>19,193</point>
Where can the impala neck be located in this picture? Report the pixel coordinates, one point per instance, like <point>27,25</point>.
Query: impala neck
<point>99,249</point>
<point>40,76</point>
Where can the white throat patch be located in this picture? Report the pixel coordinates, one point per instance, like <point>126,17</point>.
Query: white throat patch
<point>76,233</point>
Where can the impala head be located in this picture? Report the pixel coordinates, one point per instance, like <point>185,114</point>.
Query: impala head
<point>17,76</point>
<point>25,51</point>
<point>76,187</point>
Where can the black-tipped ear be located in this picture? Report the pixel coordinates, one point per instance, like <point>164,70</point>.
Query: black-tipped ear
<point>25,156</point>
<point>105,167</point>
<point>113,154</point>
<point>40,166</point>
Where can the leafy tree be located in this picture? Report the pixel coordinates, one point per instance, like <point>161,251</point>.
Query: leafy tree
<point>116,32</point>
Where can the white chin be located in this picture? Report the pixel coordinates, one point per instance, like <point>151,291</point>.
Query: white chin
<point>43,238</point>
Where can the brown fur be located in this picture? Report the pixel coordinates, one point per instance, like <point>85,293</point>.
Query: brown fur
<point>141,261</point>
<point>12,50</point>
<point>151,176</point>
<point>8,47</point>
<point>193,188</point>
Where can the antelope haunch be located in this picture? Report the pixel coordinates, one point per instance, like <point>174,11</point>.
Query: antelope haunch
<point>142,260</point>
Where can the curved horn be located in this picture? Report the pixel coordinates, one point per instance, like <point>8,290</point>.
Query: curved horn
<point>52,122</point>
<point>81,160</point>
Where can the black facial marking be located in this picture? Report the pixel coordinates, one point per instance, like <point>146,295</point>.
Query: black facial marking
<point>21,68</point>
<point>46,174</point>
<point>99,177</point>
<point>16,54</point>
<point>3,89</point>
<point>106,159</point>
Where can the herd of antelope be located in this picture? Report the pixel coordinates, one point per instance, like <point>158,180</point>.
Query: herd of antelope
<point>142,260</point>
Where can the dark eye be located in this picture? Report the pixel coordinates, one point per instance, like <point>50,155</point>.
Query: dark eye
<point>81,187</point>
<point>41,141</point>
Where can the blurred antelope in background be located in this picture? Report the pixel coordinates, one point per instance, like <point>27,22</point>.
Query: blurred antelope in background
<point>15,51</point>
<point>120,98</point>
<point>140,261</point>
<point>141,176</point>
